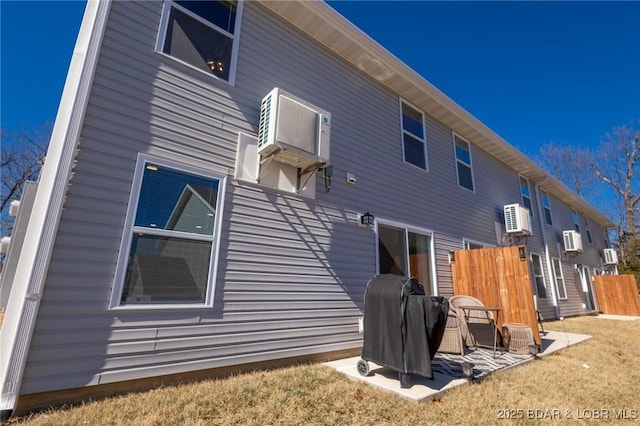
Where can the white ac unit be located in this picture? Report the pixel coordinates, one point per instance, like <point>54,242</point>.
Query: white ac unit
<point>610,256</point>
<point>517,219</point>
<point>572,241</point>
<point>293,131</point>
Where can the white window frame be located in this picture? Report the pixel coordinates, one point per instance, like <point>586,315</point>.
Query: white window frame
<point>559,279</point>
<point>415,230</point>
<point>464,163</point>
<point>404,132</point>
<point>130,229</point>
<point>526,196</point>
<point>162,34</point>
<point>535,277</point>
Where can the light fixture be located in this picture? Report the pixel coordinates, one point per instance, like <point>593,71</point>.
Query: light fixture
<point>522,253</point>
<point>152,167</point>
<point>366,219</point>
<point>215,65</point>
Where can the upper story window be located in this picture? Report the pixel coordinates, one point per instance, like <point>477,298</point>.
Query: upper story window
<point>525,190</point>
<point>576,220</point>
<point>546,205</point>
<point>202,34</point>
<point>170,243</point>
<point>587,228</point>
<point>463,162</point>
<point>414,142</point>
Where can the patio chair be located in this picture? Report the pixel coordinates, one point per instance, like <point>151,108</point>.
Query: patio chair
<point>452,341</point>
<point>477,327</point>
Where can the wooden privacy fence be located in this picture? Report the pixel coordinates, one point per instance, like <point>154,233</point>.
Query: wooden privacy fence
<point>617,294</point>
<point>499,277</point>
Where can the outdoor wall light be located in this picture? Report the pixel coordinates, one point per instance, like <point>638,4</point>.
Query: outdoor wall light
<point>366,219</point>
<point>522,253</point>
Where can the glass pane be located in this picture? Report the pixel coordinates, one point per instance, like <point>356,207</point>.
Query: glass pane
<point>412,121</point>
<point>462,151</point>
<point>465,179</point>
<point>547,216</point>
<point>524,187</point>
<point>527,203</point>
<point>198,44</point>
<point>166,270</point>
<point>220,13</point>
<point>391,250</point>
<point>419,263</point>
<point>414,151</point>
<point>177,201</point>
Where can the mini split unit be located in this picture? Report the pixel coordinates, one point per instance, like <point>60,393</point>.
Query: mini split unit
<point>293,131</point>
<point>572,241</point>
<point>517,220</point>
<point>610,256</point>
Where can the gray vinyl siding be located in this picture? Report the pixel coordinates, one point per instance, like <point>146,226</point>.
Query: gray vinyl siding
<point>292,271</point>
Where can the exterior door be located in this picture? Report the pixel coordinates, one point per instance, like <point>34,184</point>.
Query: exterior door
<point>407,252</point>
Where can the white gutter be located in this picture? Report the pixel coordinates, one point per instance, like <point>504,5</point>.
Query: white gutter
<point>547,253</point>
<point>31,271</point>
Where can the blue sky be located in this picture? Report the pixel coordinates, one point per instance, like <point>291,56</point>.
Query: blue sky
<point>533,72</point>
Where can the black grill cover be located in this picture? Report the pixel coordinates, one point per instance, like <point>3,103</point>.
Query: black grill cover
<point>403,328</point>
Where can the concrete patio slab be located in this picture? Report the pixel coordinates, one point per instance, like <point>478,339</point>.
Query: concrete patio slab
<point>447,368</point>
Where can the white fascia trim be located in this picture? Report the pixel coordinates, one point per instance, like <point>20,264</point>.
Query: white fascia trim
<point>31,271</point>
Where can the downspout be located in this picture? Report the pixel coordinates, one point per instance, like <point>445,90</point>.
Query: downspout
<point>33,264</point>
<point>547,254</point>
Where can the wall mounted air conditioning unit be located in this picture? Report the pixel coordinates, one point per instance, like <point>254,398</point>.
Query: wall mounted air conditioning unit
<point>610,256</point>
<point>293,131</point>
<point>572,241</point>
<point>517,220</point>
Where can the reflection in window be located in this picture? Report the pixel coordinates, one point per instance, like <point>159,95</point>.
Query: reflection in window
<point>413,139</point>
<point>463,162</point>
<point>526,194</point>
<point>202,34</point>
<point>172,241</point>
<point>406,253</point>
<point>546,204</point>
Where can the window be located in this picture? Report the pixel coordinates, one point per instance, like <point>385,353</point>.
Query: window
<point>414,143</point>
<point>538,275</point>
<point>576,220</point>
<point>546,204</point>
<point>525,190</point>
<point>470,244</point>
<point>557,272</point>
<point>404,252</point>
<point>587,228</point>
<point>168,254</point>
<point>463,162</point>
<point>202,34</point>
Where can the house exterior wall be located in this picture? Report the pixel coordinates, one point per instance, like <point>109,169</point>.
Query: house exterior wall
<point>292,270</point>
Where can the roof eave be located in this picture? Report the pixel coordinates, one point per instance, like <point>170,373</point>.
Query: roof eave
<point>321,22</point>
